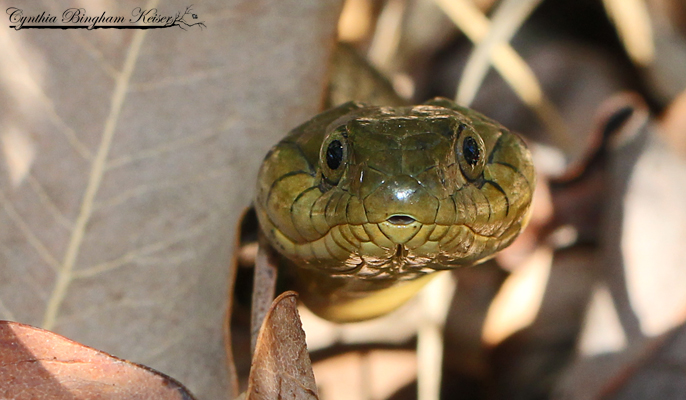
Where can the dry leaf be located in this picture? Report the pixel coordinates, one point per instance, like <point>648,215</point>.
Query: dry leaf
<point>139,149</point>
<point>281,366</point>
<point>264,287</point>
<point>37,364</point>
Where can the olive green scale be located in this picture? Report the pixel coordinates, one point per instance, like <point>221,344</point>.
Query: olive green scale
<point>364,203</point>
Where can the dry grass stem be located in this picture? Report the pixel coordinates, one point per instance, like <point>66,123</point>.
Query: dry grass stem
<point>507,20</point>
<point>510,65</point>
<point>632,20</point>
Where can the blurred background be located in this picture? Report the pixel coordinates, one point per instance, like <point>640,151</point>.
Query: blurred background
<point>589,302</point>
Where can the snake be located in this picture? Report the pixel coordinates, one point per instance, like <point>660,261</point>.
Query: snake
<point>363,204</point>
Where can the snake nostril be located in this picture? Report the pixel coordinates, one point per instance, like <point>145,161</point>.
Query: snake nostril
<point>400,219</point>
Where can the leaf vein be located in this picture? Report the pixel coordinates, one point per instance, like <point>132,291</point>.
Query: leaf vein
<point>95,53</point>
<point>33,89</point>
<point>160,150</point>
<point>179,80</point>
<point>65,273</point>
<point>137,253</point>
<point>26,230</point>
<point>49,203</point>
<point>157,186</point>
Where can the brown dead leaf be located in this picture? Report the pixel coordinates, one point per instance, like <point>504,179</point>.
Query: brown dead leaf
<point>281,366</point>
<point>37,364</point>
<point>264,287</point>
<point>125,159</point>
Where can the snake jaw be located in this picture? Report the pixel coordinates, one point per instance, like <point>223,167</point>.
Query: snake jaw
<point>401,233</point>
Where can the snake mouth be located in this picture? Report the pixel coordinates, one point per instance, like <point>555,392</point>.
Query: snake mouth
<point>400,219</point>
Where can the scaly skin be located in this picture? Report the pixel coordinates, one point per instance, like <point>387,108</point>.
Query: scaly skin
<point>405,191</point>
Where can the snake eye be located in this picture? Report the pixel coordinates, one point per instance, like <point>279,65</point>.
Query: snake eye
<point>470,152</point>
<point>334,154</point>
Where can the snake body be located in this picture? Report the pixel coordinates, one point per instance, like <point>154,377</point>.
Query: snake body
<point>363,203</point>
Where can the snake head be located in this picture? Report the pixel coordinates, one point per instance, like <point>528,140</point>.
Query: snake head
<point>394,193</point>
